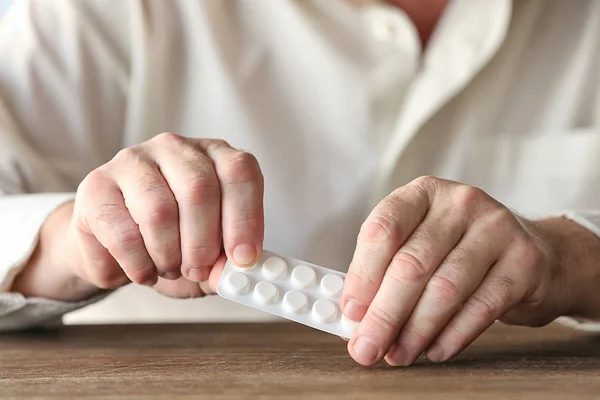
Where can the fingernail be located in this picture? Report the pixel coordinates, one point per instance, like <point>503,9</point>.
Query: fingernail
<point>436,353</point>
<point>365,350</point>
<point>198,275</point>
<point>244,254</point>
<point>354,311</point>
<point>399,356</point>
<point>171,275</point>
<point>150,282</point>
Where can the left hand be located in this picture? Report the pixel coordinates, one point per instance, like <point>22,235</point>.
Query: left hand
<point>436,263</point>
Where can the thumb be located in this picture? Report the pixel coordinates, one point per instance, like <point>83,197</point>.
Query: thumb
<point>210,287</point>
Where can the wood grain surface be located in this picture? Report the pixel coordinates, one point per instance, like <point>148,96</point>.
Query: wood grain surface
<point>286,361</point>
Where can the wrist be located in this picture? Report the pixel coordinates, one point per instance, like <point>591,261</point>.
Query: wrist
<point>576,250</point>
<point>50,272</point>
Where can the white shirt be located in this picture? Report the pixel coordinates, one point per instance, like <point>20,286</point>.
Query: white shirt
<point>338,102</point>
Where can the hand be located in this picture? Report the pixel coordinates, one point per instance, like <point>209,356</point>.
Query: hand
<point>436,263</point>
<point>164,213</point>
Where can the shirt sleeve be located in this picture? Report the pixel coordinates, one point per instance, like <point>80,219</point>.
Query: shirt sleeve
<point>63,100</point>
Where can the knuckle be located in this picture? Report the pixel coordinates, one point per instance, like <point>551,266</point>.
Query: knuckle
<point>499,218</point>
<point>490,304</point>
<point>399,197</point>
<point>127,241</point>
<point>416,334</point>
<point>93,184</point>
<point>168,258</point>
<point>427,182</point>
<point>250,219</point>
<point>202,189</point>
<point>364,274</point>
<point>502,288</point>
<point>161,213</point>
<point>467,197</point>
<point>216,143</point>
<point>241,168</point>
<point>366,283</point>
<point>151,183</point>
<point>110,214</point>
<point>380,320</point>
<point>407,268</point>
<point>443,289</point>
<point>201,255</point>
<point>169,137</point>
<point>96,176</point>
<point>193,158</point>
<point>379,228</point>
<point>459,257</point>
<point>530,254</point>
<point>128,155</point>
<point>482,307</point>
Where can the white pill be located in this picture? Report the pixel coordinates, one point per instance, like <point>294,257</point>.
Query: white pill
<point>324,311</point>
<point>332,285</point>
<point>303,276</point>
<point>295,301</point>
<point>265,292</point>
<point>238,283</point>
<point>349,325</point>
<point>274,268</point>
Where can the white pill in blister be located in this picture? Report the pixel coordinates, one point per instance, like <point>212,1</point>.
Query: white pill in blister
<point>274,268</point>
<point>265,292</point>
<point>303,276</point>
<point>348,324</point>
<point>324,311</point>
<point>332,285</point>
<point>238,283</point>
<point>295,301</point>
<point>289,288</point>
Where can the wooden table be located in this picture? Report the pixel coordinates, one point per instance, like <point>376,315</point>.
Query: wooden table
<point>286,361</point>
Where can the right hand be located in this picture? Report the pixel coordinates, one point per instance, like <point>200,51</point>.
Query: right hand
<point>166,213</point>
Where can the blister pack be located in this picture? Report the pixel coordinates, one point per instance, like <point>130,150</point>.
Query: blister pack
<point>293,289</point>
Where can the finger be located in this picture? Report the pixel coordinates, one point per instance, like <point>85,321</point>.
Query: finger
<point>110,222</point>
<point>183,288</point>
<point>96,264</point>
<point>179,289</point>
<point>451,284</point>
<point>152,206</point>
<point>242,212</point>
<point>193,180</point>
<point>215,275</point>
<point>404,281</point>
<point>503,288</point>
<point>384,231</point>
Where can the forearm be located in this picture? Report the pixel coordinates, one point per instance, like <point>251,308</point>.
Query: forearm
<point>49,272</point>
<point>578,251</point>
